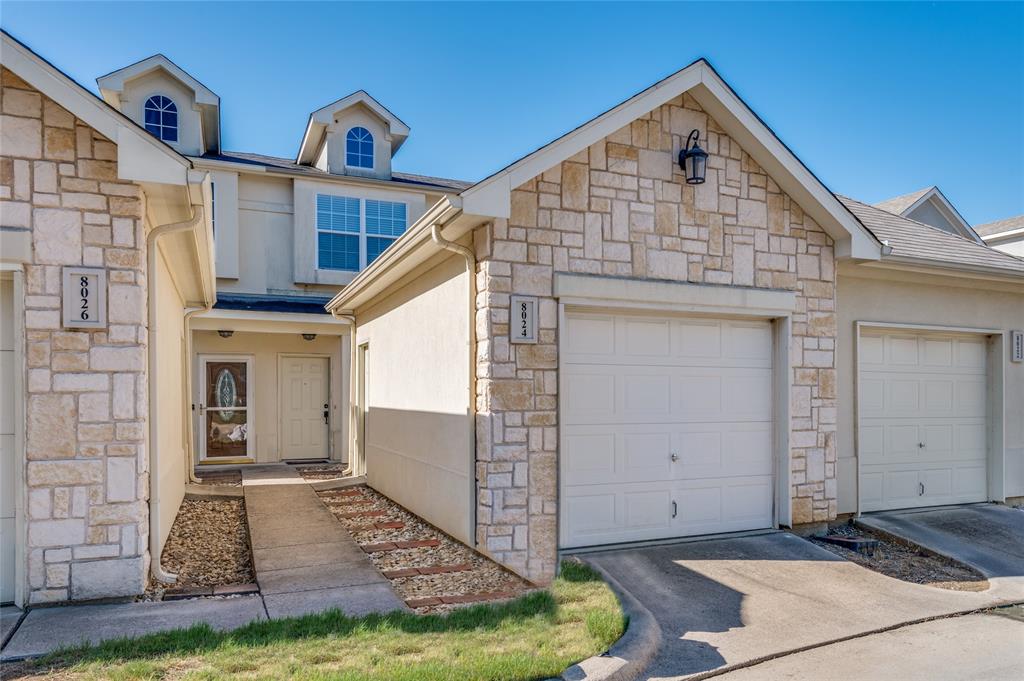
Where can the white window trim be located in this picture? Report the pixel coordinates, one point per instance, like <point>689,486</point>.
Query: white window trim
<point>362,230</point>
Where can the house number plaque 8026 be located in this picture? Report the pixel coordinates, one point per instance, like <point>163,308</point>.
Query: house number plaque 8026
<point>84,297</point>
<point>522,322</point>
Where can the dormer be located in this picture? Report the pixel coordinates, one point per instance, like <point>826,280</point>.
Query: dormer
<point>931,207</point>
<point>355,135</point>
<point>165,100</point>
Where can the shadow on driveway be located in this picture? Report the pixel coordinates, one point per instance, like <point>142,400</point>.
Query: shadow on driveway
<point>722,602</point>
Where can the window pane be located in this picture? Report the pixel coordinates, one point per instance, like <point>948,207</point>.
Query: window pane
<point>226,433</point>
<point>152,115</point>
<point>225,384</point>
<point>359,148</point>
<point>338,251</point>
<point>386,218</point>
<point>169,135</point>
<point>375,245</point>
<point>170,119</point>
<point>337,213</point>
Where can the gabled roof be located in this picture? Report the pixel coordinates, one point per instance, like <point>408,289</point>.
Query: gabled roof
<point>1003,226</point>
<point>287,165</point>
<point>492,196</point>
<point>141,156</point>
<point>312,139</point>
<point>906,204</point>
<point>916,242</point>
<point>113,84</point>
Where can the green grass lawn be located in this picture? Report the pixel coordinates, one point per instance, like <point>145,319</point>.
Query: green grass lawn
<point>533,637</point>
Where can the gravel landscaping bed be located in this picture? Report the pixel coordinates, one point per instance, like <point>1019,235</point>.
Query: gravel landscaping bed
<point>208,545</point>
<point>907,562</point>
<point>484,576</point>
<point>321,471</point>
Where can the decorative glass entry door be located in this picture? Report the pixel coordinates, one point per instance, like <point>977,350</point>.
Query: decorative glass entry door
<point>225,404</point>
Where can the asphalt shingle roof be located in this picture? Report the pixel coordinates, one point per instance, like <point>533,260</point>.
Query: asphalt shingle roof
<point>911,239</point>
<point>288,165</point>
<point>999,226</point>
<point>898,204</point>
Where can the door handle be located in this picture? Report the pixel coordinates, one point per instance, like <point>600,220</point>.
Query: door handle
<point>327,416</point>
<point>921,493</point>
<point>674,457</point>
<point>675,509</point>
<point>920,445</point>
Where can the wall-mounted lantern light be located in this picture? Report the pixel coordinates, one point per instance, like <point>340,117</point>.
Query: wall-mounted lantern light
<point>225,333</point>
<point>309,336</point>
<point>693,160</point>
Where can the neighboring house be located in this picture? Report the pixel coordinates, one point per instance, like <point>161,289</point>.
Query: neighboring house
<point>1004,235</point>
<point>288,233</point>
<point>93,210</point>
<point>931,207</point>
<point>588,347</point>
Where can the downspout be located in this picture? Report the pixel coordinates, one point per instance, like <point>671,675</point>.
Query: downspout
<point>190,450</point>
<point>352,359</point>
<point>470,257</point>
<point>153,432</point>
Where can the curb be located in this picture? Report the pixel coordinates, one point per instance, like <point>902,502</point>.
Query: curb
<point>628,656</point>
<point>337,483</point>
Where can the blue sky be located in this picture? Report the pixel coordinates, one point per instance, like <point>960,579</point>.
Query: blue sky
<point>877,99</point>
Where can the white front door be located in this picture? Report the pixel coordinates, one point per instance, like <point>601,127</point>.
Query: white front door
<point>922,412</point>
<point>7,454</point>
<point>305,407</point>
<point>667,425</point>
<point>225,408</point>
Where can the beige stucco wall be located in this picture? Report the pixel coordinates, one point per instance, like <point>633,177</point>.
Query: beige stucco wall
<point>265,348</point>
<point>337,134</point>
<point>906,298</point>
<point>168,409</point>
<point>138,90</point>
<point>418,441</point>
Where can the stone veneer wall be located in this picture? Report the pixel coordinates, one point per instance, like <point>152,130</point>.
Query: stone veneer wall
<point>86,404</point>
<point>622,208</point>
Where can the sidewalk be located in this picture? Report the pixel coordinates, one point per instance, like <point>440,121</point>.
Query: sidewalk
<point>305,560</point>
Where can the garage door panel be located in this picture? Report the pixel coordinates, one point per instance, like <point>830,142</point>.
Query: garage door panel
<point>922,437</point>
<point>696,388</point>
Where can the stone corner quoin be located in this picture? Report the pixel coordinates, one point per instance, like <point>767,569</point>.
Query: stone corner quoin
<point>86,400</point>
<point>622,208</point>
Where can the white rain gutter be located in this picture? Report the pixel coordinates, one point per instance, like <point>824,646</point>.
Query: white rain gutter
<point>153,432</point>
<point>470,258</point>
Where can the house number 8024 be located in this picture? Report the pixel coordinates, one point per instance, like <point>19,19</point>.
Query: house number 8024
<point>523,319</point>
<point>84,297</point>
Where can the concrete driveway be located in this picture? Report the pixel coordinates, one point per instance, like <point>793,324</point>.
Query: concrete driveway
<point>726,602</point>
<point>988,537</point>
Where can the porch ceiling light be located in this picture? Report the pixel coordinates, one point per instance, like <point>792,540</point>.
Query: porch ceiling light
<point>693,160</point>
<point>309,336</point>
<point>225,333</point>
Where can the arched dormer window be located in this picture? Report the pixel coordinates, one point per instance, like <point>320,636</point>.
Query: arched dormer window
<point>359,148</point>
<point>162,118</point>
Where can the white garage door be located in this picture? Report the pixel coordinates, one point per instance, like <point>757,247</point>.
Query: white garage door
<point>666,428</point>
<point>922,407</point>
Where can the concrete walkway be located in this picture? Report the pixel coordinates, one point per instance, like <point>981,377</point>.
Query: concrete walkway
<point>726,602</point>
<point>305,560</point>
<point>988,537</point>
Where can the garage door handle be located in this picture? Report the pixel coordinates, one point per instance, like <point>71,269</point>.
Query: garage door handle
<point>922,489</point>
<point>675,509</point>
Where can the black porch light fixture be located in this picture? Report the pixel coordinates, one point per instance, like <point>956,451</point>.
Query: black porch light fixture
<point>693,160</point>
<point>309,336</point>
<point>225,333</point>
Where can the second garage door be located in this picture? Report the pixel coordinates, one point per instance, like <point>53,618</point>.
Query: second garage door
<point>667,427</point>
<point>922,409</point>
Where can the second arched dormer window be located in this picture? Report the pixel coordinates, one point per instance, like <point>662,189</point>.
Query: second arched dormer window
<point>161,118</point>
<point>359,148</point>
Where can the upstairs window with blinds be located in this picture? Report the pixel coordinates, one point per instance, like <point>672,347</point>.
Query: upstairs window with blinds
<point>352,232</point>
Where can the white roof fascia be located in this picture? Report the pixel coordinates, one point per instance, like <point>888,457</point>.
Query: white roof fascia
<point>999,236</point>
<point>959,269</point>
<point>319,120</point>
<point>268,322</point>
<point>112,85</point>
<point>140,156</point>
<point>492,196</point>
<point>935,194</point>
